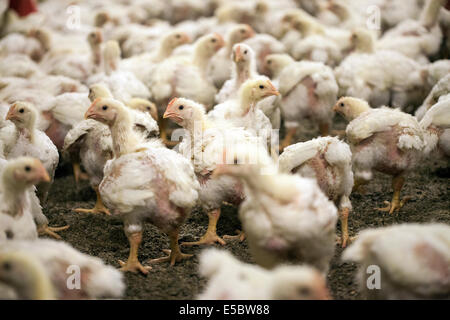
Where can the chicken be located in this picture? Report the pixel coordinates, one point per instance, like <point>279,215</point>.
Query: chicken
<point>164,195</point>
<point>230,279</point>
<point>90,143</point>
<point>74,63</point>
<point>204,143</point>
<point>21,209</point>
<point>417,39</point>
<point>29,141</point>
<point>380,77</point>
<point>416,267</point>
<point>440,92</point>
<point>244,69</point>
<point>329,162</point>
<point>142,65</point>
<point>220,66</point>
<point>186,77</point>
<point>242,111</point>
<point>30,45</point>
<point>390,141</point>
<point>41,269</point>
<point>263,45</point>
<point>287,218</point>
<point>123,85</point>
<point>308,89</point>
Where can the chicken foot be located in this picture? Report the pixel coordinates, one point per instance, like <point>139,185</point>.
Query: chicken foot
<point>78,173</point>
<point>98,208</point>
<point>290,134</point>
<point>343,217</point>
<point>240,235</point>
<point>51,231</point>
<point>396,204</point>
<point>133,264</point>
<point>174,254</point>
<point>210,235</point>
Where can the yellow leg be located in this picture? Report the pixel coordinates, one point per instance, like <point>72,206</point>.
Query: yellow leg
<point>240,235</point>
<point>210,235</point>
<point>98,208</point>
<point>51,231</point>
<point>324,129</point>
<point>174,254</point>
<point>290,134</point>
<point>343,216</point>
<point>78,173</point>
<point>396,204</point>
<point>133,264</point>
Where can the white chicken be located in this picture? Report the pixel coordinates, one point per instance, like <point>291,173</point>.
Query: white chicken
<point>390,141</point>
<point>204,144</point>
<point>29,141</point>
<point>164,195</point>
<point>41,269</point>
<point>329,161</point>
<point>89,143</point>
<point>244,69</point>
<point>242,111</point>
<point>220,66</point>
<point>416,267</point>
<point>230,279</point>
<point>19,205</point>
<point>287,218</point>
<point>417,39</point>
<point>308,89</point>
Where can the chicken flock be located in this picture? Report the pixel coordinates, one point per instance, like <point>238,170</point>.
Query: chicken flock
<point>169,108</point>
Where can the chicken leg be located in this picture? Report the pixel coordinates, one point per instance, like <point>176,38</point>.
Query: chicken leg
<point>240,235</point>
<point>210,235</point>
<point>343,216</point>
<point>78,173</point>
<point>396,204</point>
<point>133,264</point>
<point>288,138</point>
<point>174,254</point>
<point>98,208</point>
<point>324,129</point>
<point>51,231</point>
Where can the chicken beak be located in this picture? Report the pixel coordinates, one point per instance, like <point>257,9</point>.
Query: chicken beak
<point>186,38</point>
<point>42,174</point>
<point>220,42</point>
<point>238,56</point>
<point>272,91</point>
<point>169,114</point>
<point>251,32</point>
<point>11,115</point>
<point>90,113</point>
<point>335,108</point>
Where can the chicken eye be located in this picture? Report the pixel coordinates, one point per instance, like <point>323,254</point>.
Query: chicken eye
<point>242,31</point>
<point>269,61</point>
<point>261,86</point>
<point>341,104</point>
<point>213,40</point>
<point>245,52</point>
<point>148,108</point>
<point>178,36</point>
<point>181,107</point>
<point>22,110</point>
<point>6,266</point>
<point>27,168</point>
<point>303,291</point>
<point>105,107</point>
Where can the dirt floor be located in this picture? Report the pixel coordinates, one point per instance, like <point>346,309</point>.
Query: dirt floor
<point>103,236</point>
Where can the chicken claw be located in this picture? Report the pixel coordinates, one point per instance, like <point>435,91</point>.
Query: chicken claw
<point>240,235</point>
<point>396,205</point>
<point>98,208</point>
<point>175,254</point>
<point>134,266</point>
<point>51,231</point>
<point>172,258</point>
<point>210,235</point>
